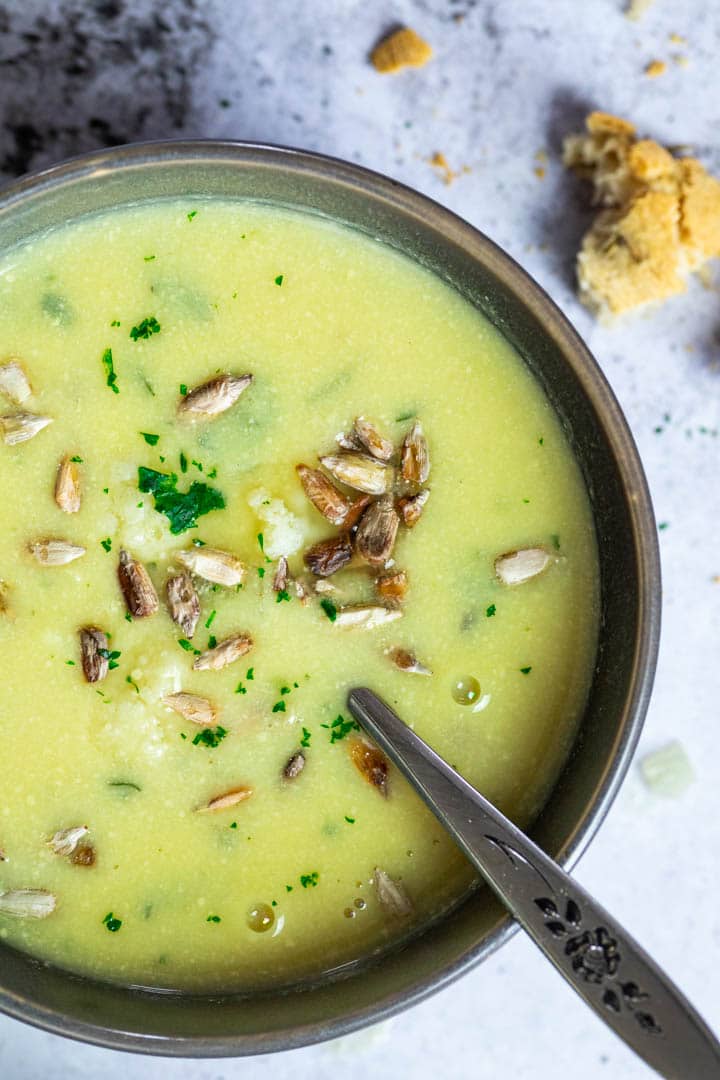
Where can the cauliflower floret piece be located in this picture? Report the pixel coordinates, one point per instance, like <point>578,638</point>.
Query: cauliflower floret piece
<point>283,532</point>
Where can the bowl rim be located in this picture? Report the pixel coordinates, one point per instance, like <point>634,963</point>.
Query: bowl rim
<point>367,182</point>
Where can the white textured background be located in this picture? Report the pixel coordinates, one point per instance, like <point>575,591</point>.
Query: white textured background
<point>509,79</point>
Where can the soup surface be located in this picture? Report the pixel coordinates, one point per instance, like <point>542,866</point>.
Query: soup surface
<point>215,856</point>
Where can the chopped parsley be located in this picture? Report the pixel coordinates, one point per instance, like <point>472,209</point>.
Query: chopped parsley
<point>490,611</point>
<point>250,675</point>
<point>329,608</point>
<point>285,689</point>
<point>288,888</point>
<point>662,525</point>
<point>124,787</point>
<point>555,541</point>
<point>213,918</point>
<point>111,656</point>
<point>183,462</point>
<point>128,617</point>
<point>404,416</point>
<point>210,737</point>
<point>115,322</point>
<point>106,543</point>
<point>188,646</point>
<point>210,619</point>
<point>261,542</point>
<point>279,279</point>
<point>261,572</point>
<point>151,440</point>
<point>212,641</point>
<point>279,706</point>
<point>145,329</point>
<point>70,663</point>
<point>197,464</point>
<point>306,736</point>
<point>341,727</point>
<point>233,825</point>
<point>191,215</point>
<point>283,594</point>
<point>350,820</point>
<point>181,508</point>
<point>525,670</point>
<point>309,880</point>
<point>183,389</point>
<point>197,542</point>
<point>131,682</point>
<point>76,458</point>
<point>148,258</point>
<point>240,689</point>
<point>541,442</point>
<point>107,362</point>
<point>111,923</point>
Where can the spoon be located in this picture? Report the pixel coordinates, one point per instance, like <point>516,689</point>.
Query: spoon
<point>606,967</point>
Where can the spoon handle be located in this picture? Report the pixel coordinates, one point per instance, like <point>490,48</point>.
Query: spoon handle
<point>613,974</point>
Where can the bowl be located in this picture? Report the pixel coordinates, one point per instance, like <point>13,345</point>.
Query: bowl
<point>183,1024</point>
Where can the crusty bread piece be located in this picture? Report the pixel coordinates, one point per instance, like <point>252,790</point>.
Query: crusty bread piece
<point>403,48</point>
<point>662,216</point>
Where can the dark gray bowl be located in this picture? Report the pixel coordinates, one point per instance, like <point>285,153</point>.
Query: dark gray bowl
<point>181,1024</point>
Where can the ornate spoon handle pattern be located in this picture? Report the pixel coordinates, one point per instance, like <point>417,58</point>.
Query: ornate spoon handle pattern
<point>613,974</point>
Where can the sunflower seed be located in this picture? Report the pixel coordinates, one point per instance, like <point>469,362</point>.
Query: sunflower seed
<point>214,565</point>
<point>356,511</point>
<point>94,653</point>
<point>323,494</point>
<point>359,471</point>
<point>324,586</point>
<point>65,841</point>
<point>407,661</point>
<point>27,903</point>
<point>14,382</point>
<point>183,602</point>
<point>137,588</point>
<point>301,592</point>
<point>67,486</point>
<point>214,397</point>
<point>192,707</point>
<point>392,587</point>
<point>329,556</point>
<point>371,763</point>
<point>371,439</point>
<point>226,652</point>
<point>375,537</point>
<point>411,507</point>
<point>223,802</point>
<point>84,855</point>
<point>19,427</point>
<point>367,616</point>
<point>348,441</point>
<point>515,567</point>
<point>415,456</point>
<point>391,896</point>
<point>55,552</point>
<point>281,575</point>
<point>294,766</point>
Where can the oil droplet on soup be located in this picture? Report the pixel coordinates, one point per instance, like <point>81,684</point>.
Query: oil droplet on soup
<point>180,403</point>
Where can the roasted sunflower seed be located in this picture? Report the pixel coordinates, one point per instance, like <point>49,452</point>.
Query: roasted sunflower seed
<point>323,494</point>
<point>392,587</point>
<point>328,556</point>
<point>365,616</point>
<point>411,507</point>
<point>192,707</point>
<point>136,586</point>
<point>371,763</point>
<point>407,661</point>
<point>281,576</point>
<point>228,799</point>
<point>415,456</point>
<point>214,565</point>
<point>376,533</point>
<point>14,382</point>
<point>359,471</point>
<point>19,427</point>
<point>391,896</point>
<point>83,855</point>
<point>27,903</point>
<point>224,653</point>
<point>65,841</point>
<point>214,397</point>
<point>515,567</point>
<point>294,766</point>
<point>67,486</point>
<point>55,552</point>
<point>371,439</point>
<point>94,653</point>
<point>183,602</point>
<point>356,511</point>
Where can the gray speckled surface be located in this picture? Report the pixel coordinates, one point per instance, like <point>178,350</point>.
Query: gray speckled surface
<point>508,80</point>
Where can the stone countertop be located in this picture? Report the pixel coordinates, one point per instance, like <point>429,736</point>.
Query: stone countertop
<point>508,80</point>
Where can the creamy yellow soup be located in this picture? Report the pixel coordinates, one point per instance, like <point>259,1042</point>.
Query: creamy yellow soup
<point>208,855</point>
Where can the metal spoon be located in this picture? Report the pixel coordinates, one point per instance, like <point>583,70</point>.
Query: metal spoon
<point>609,970</point>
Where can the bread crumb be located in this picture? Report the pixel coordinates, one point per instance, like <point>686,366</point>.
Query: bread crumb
<point>403,48</point>
<point>655,68</point>
<point>637,8</point>
<point>661,216</point>
<point>440,162</point>
<point>677,39</point>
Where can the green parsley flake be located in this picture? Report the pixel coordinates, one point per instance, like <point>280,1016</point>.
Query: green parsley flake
<point>279,706</point>
<point>111,923</point>
<point>261,542</point>
<point>555,541</point>
<point>148,258</point>
<point>306,736</point>
<point>309,880</point>
<point>145,329</point>
<point>240,689</point>
<point>210,619</point>
<point>76,458</point>
<point>70,663</point>
<point>350,820</point>
<point>191,215</point>
<point>183,462</point>
<point>131,682</point>
<point>490,611</point>
<point>183,389</point>
<point>279,279</point>
<point>261,572</point>
<point>187,645</point>
<point>285,689</point>
<point>106,543</point>
<point>404,416</point>
<point>128,617</point>
<point>341,727</point>
<point>662,525</point>
<point>213,918</point>
<point>107,362</point>
<point>115,322</point>
<point>283,594</point>
<point>151,440</point>
<point>525,670</point>
<point>233,825</point>
<point>212,641</point>
<point>111,657</point>
<point>182,509</point>
<point>329,608</point>
<point>288,888</point>
<point>250,675</point>
<point>210,737</point>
